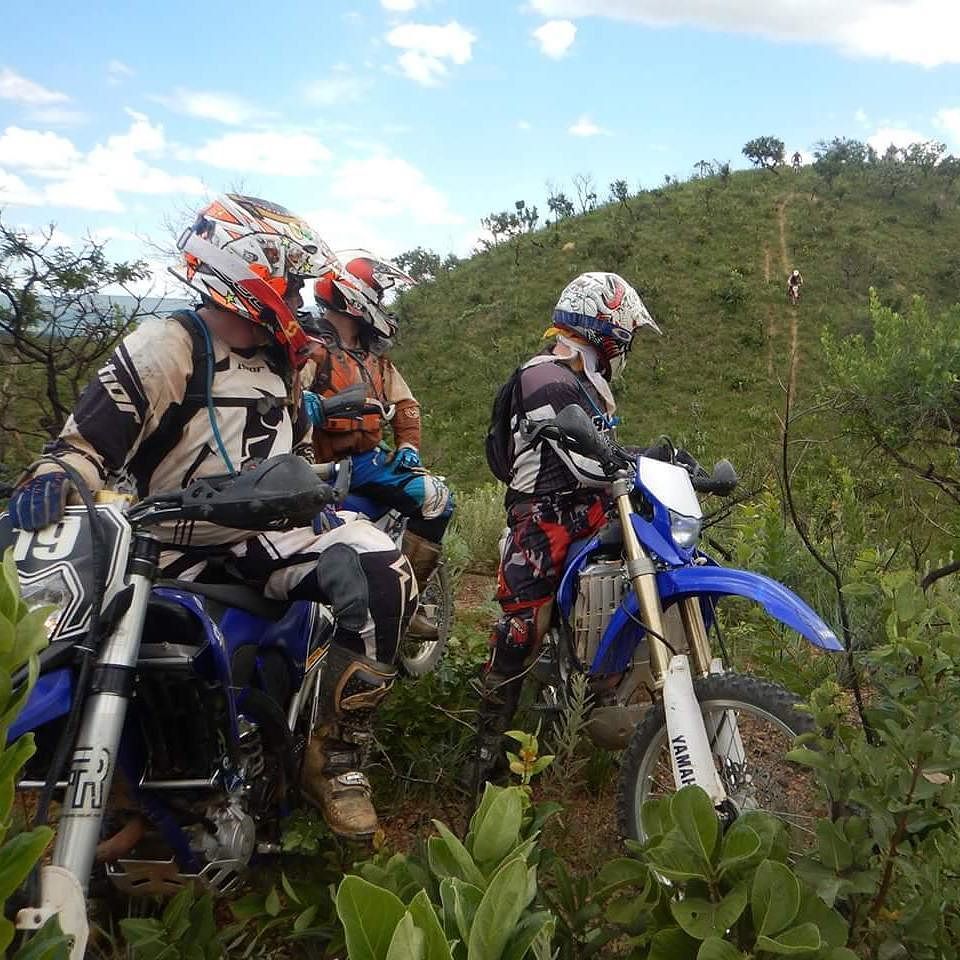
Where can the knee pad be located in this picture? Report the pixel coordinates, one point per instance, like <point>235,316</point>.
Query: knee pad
<point>343,584</point>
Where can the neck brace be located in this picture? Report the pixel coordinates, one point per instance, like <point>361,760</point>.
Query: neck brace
<point>568,349</point>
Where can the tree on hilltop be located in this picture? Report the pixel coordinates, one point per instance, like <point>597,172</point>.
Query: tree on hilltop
<point>765,152</point>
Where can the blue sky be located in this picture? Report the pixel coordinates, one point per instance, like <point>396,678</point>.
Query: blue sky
<point>393,123</point>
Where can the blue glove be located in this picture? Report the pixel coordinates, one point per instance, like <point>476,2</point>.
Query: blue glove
<point>314,405</point>
<point>40,501</point>
<point>406,458</point>
<point>326,520</point>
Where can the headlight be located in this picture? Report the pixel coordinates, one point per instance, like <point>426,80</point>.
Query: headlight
<point>684,530</point>
<point>48,591</point>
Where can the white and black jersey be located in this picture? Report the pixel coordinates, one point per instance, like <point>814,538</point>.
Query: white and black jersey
<point>146,416</point>
<point>546,469</point>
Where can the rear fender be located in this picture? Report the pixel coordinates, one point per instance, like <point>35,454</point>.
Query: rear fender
<point>49,699</point>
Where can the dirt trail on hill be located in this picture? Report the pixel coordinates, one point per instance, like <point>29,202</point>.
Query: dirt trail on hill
<point>770,323</point>
<point>785,259</point>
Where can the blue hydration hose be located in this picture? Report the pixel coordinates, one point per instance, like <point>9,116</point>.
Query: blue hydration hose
<point>210,408</point>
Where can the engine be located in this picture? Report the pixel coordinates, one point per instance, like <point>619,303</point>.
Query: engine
<point>602,586</point>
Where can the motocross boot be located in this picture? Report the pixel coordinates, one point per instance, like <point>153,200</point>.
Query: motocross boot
<point>351,689</point>
<point>499,696</point>
<point>424,557</point>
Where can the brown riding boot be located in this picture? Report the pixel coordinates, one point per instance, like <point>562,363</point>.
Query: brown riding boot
<point>351,688</point>
<point>424,557</point>
<point>344,798</point>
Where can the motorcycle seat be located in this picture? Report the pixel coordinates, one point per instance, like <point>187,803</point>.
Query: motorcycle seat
<point>237,595</point>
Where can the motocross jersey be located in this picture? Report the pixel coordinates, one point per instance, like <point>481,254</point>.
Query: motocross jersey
<point>145,420</point>
<point>545,470</point>
<point>331,368</point>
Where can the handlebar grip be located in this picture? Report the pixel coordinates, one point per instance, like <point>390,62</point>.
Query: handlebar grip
<point>344,475</point>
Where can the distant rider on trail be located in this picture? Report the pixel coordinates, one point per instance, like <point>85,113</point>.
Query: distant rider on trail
<point>349,345</point>
<point>553,497</point>
<point>794,283</point>
<point>215,390</point>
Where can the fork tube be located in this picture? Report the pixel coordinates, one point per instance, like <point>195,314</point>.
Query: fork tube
<point>643,577</point>
<point>95,752</point>
<point>696,630</point>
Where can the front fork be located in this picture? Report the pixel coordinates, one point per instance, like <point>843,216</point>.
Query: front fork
<point>64,882</point>
<point>690,750</point>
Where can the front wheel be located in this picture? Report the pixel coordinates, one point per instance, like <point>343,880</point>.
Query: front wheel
<point>752,766</point>
<point>436,600</point>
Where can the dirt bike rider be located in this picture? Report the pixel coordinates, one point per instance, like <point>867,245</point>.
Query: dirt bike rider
<point>349,345</point>
<point>553,497</point>
<point>794,283</point>
<point>215,390</point>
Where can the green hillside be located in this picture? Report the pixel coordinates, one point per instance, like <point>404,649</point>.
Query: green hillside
<point>710,257</point>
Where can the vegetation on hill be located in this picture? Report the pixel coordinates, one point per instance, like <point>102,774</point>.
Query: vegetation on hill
<point>710,257</point>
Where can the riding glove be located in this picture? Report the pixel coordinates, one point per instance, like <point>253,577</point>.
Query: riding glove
<point>40,501</point>
<point>314,405</point>
<point>406,458</point>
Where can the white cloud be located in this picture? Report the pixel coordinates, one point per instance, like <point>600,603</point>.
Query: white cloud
<point>95,180</point>
<point>14,191</point>
<point>398,6</point>
<point>383,186</point>
<point>270,152</point>
<point>948,122</point>
<point>58,116</point>
<point>341,85</point>
<point>118,71</point>
<point>585,127</point>
<point>555,37</point>
<point>923,32</point>
<point>210,105</point>
<point>523,124</point>
<point>348,230</point>
<point>43,154</point>
<point>861,118</point>
<point>898,136</point>
<point>428,48</point>
<point>13,86</point>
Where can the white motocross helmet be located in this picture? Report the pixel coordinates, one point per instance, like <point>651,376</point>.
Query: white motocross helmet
<point>603,310</point>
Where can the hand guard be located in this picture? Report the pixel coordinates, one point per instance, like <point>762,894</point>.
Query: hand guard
<point>40,501</point>
<point>326,520</point>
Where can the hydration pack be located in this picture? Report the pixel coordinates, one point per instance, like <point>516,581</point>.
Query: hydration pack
<point>499,442</point>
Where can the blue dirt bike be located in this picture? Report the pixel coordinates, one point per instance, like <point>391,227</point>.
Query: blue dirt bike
<point>201,694</point>
<point>633,614</point>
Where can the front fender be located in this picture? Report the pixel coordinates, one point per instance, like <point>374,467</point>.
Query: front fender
<point>782,604</point>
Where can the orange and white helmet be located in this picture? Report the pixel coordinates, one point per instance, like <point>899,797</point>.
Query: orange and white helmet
<point>242,253</point>
<point>359,289</point>
<point>603,310</point>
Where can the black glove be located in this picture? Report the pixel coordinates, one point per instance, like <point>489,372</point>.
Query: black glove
<point>40,501</point>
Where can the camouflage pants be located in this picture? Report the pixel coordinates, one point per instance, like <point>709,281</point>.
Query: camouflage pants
<point>531,566</point>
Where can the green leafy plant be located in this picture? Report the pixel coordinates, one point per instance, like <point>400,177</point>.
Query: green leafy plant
<point>22,636</point>
<point>891,856</point>
<point>470,900</point>
<point>526,763</point>
<point>186,929</point>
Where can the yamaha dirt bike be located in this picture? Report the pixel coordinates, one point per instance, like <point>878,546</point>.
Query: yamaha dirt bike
<point>202,694</point>
<point>633,613</point>
<point>793,294</point>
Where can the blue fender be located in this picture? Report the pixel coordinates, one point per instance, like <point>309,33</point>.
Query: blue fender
<point>623,632</point>
<point>49,699</point>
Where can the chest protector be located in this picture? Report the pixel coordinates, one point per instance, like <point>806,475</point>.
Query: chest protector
<point>337,369</point>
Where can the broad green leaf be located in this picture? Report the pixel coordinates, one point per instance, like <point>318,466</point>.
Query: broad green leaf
<point>702,919</point>
<point>775,898</point>
<point>288,889</point>
<point>425,917</point>
<point>673,944</point>
<point>739,845</point>
<point>536,925</point>
<point>30,635</point>
<point>793,942</point>
<point>618,873</point>
<point>304,919</point>
<point>695,818</point>
<point>499,832</point>
<point>835,851</point>
<point>7,634</point>
<point>369,916</point>
<point>490,793</point>
<point>407,942</point>
<point>673,859</point>
<point>499,912</point>
<point>17,857</point>
<point>466,900</point>
<point>48,943</point>
<point>841,953</point>
<point>448,857</point>
<point>7,932</point>
<point>655,817</point>
<point>833,928</point>
<point>272,903</point>
<point>16,755</point>
<point>716,949</point>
